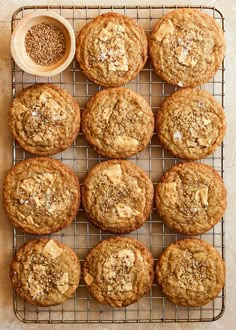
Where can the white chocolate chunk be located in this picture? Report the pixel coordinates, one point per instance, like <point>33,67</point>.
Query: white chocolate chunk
<point>122,63</point>
<point>106,114</point>
<point>35,290</point>
<point>204,142</point>
<point>126,142</point>
<point>190,62</point>
<point>112,47</point>
<point>28,185</point>
<point>115,27</point>
<point>111,66</point>
<point>128,256</point>
<point>202,195</point>
<point>127,287</point>
<point>56,111</point>
<point>44,97</point>
<point>184,57</point>
<point>164,30</point>
<point>52,249</point>
<point>136,186</point>
<point>120,28</point>
<point>62,283</point>
<point>170,191</point>
<point>114,173</point>
<point>63,288</point>
<point>50,177</point>
<point>191,144</point>
<point>177,135</point>
<point>104,35</point>
<point>125,211</point>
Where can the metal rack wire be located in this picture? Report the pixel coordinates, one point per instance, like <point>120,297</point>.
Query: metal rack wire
<point>80,235</point>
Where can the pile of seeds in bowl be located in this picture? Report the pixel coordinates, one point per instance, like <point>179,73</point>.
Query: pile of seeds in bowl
<point>45,44</point>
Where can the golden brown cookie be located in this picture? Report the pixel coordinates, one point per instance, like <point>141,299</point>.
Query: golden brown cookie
<point>118,122</point>
<point>44,119</point>
<point>191,198</point>
<point>111,49</point>
<point>117,196</point>
<point>45,272</point>
<point>186,47</point>
<point>191,124</point>
<point>41,195</point>
<point>190,272</point>
<point>118,271</point>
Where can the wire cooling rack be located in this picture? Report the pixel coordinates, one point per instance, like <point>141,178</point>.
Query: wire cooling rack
<point>80,235</point>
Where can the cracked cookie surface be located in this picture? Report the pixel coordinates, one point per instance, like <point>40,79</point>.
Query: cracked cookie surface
<point>118,271</point>
<point>118,122</point>
<point>190,272</point>
<point>191,124</point>
<point>186,47</point>
<point>117,196</point>
<point>44,119</point>
<point>191,198</point>
<point>45,272</point>
<point>41,195</point>
<point>111,49</point>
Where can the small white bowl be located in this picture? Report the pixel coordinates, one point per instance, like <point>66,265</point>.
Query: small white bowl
<point>18,50</point>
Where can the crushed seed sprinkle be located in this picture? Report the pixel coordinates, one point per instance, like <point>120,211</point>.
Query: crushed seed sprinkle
<point>45,44</point>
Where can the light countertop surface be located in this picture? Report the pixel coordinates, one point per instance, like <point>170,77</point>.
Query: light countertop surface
<point>228,320</point>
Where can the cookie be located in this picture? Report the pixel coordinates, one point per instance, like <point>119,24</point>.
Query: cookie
<point>118,271</point>
<point>186,47</point>
<point>111,49</point>
<point>191,198</point>
<point>118,122</point>
<point>45,272</point>
<point>190,272</point>
<point>117,196</point>
<point>191,124</point>
<point>44,119</point>
<point>41,195</point>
